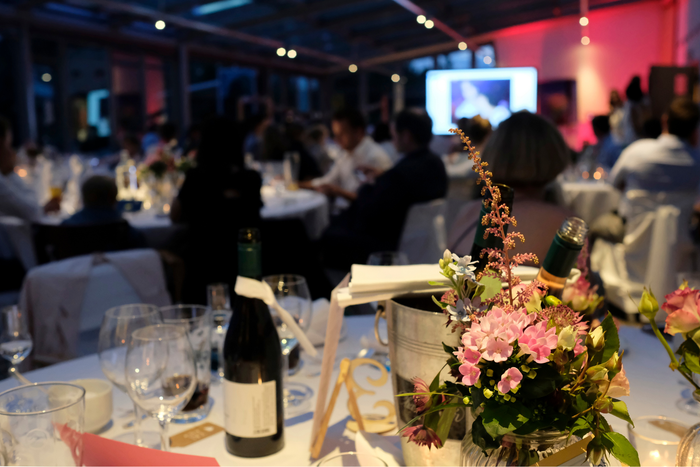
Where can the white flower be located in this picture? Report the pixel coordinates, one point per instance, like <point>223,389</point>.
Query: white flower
<point>447,256</point>
<point>464,266</point>
<point>567,338</point>
<point>458,312</point>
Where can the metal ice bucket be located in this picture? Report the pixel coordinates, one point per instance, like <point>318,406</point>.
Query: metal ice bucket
<point>416,331</point>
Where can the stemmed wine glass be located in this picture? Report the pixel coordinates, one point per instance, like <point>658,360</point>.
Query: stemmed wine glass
<point>219,303</point>
<point>117,326</point>
<point>292,293</point>
<point>15,341</point>
<point>161,374</point>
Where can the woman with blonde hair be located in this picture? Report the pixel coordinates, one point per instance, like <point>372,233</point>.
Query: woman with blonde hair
<point>526,152</point>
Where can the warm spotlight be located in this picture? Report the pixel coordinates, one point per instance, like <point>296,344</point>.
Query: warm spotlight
<point>395,78</point>
<point>291,53</point>
<point>352,68</point>
<point>281,51</point>
<point>583,21</point>
<point>585,40</point>
<point>462,46</point>
<point>160,24</point>
<point>429,24</point>
<point>488,60</point>
<point>421,19</point>
<point>46,77</point>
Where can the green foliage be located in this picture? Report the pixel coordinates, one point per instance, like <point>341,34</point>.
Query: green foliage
<point>492,287</point>
<point>620,411</point>
<point>448,415</point>
<point>503,418</point>
<point>621,448</point>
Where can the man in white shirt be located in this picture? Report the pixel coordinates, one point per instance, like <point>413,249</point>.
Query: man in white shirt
<point>360,155</point>
<point>16,198</point>
<point>670,163</point>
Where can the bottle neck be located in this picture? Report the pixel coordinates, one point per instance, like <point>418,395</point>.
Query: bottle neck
<point>561,256</point>
<point>250,260</point>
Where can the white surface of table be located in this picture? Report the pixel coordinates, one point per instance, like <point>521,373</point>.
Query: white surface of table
<point>589,200</point>
<point>655,389</point>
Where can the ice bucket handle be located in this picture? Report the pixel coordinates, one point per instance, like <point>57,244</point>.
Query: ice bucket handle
<point>380,314</point>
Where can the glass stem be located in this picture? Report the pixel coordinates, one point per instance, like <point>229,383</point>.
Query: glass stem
<point>285,376</point>
<point>138,415</point>
<point>164,440</point>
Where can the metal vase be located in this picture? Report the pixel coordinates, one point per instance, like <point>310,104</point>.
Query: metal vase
<point>416,331</point>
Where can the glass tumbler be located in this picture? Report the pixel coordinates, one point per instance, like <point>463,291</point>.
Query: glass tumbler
<point>656,439</point>
<point>42,424</point>
<point>196,320</point>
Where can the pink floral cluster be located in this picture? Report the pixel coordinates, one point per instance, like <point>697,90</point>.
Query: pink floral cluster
<point>683,308</point>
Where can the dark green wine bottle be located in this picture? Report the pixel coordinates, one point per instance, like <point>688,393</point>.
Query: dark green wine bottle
<point>253,385</point>
<point>481,243</point>
<point>562,255</point>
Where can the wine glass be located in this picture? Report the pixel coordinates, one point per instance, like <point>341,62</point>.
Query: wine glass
<point>161,374</point>
<point>219,302</point>
<point>117,325</point>
<point>292,293</point>
<point>15,341</point>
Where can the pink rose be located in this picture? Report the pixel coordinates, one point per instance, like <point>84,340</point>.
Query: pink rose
<point>509,380</point>
<point>619,386</point>
<point>682,309</point>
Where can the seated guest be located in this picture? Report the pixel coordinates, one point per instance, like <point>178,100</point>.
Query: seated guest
<point>99,202</point>
<point>605,152</point>
<point>16,198</point>
<point>382,136</point>
<point>360,153</point>
<point>375,219</point>
<point>526,152</point>
<point>219,197</point>
<point>315,141</point>
<point>668,163</point>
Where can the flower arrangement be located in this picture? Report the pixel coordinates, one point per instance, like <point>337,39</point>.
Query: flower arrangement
<point>526,362</point>
<point>581,296</point>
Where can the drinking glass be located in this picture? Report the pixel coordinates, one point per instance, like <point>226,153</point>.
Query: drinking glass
<point>196,320</point>
<point>352,459</point>
<point>656,439</point>
<point>291,166</point>
<point>219,302</point>
<point>42,424</point>
<point>117,325</point>
<point>161,373</point>
<point>387,258</point>
<point>15,341</point>
<point>292,293</point>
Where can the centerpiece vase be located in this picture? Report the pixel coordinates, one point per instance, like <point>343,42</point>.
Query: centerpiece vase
<point>689,447</point>
<point>515,449</point>
<point>416,332</point>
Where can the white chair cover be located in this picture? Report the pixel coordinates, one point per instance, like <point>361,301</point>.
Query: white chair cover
<point>66,297</point>
<point>424,235</point>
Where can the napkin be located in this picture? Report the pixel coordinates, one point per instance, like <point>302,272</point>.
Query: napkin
<point>320,310</point>
<point>387,448</point>
<point>98,451</point>
<point>256,289</point>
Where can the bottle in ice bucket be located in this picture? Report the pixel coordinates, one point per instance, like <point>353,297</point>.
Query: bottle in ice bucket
<point>562,255</point>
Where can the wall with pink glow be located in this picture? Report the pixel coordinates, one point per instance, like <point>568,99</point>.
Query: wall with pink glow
<point>625,41</point>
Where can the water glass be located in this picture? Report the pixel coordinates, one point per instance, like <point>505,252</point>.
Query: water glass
<point>15,341</point>
<point>161,373</point>
<point>117,325</point>
<point>352,459</point>
<point>291,165</point>
<point>42,424</point>
<point>656,439</point>
<point>196,320</point>
<point>387,258</point>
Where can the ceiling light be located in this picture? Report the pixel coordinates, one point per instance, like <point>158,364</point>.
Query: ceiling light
<point>395,78</point>
<point>583,21</point>
<point>429,24</point>
<point>585,40</point>
<point>215,7</point>
<point>462,46</point>
<point>421,19</point>
<point>292,53</point>
<point>46,77</point>
<point>487,60</point>
<point>352,68</point>
<point>281,51</point>
<point>160,24</point>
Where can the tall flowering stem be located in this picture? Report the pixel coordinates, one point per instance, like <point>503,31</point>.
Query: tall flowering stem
<point>501,263</point>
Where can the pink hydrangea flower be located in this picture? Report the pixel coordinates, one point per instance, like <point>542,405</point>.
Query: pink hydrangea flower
<point>509,380</point>
<point>470,373</point>
<point>422,436</point>
<point>539,342</point>
<point>497,350</point>
<point>467,355</point>
<point>682,309</point>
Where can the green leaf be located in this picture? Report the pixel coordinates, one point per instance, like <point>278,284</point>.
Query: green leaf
<point>445,423</point>
<point>436,381</point>
<point>481,437</point>
<point>502,419</point>
<point>438,302</point>
<point>692,361</point>
<point>428,412</point>
<point>492,287</point>
<point>537,388</point>
<point>612,340</point>
<point>439,284</point>
<point>620,411</point>
<point>621,448</point>
<point>581,427</point>
<point>448,349</point>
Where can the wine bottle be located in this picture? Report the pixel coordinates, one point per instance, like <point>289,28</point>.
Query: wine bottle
<point>562,255</point>
<point>481,243</point>
<point>253,408</point>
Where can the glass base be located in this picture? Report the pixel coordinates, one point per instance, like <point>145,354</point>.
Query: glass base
<point>196,415</point>
<point>687,404</point>
<point>149,439</point>
<point>297,399</point>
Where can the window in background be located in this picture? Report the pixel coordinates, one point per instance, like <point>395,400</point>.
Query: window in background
<point>128,98</point>
<point>418,66</point>
<point>303,103</point>
<point>460,59</point>
<point>203,90</point>
<point>235,84</point>
<point>485,56</point>
<point>8,82</point>
<point>45,77</point>
<point>315,94</point>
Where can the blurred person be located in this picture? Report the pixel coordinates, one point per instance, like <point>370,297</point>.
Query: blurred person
<point>375,219</point>
<point>526,152</point>
<point>360,155</point>
<point>308,168</point>
<point>615,117</point>
<point>315,142</point>
<point>256,126</point>
<point>605,152</point>
<point>99,195</point>
<point>273,144</point>
<point>635,111</point>
<point>457,163</point>
<point>382,136</point>
<point>218,198</point>
<point>16,198</point>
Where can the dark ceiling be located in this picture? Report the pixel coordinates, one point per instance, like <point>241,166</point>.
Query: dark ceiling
<point>328,35</point>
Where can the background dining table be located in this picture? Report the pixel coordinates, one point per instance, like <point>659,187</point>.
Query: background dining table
<point>655,390</point>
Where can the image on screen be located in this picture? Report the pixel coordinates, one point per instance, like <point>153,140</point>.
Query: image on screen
<point>488,98</point>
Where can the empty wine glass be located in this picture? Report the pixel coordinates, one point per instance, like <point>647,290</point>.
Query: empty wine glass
<point>292,293</point>
<point>15,341</point>
<point>117,325</point>
<point>161,373</point>
<point>219,302</point>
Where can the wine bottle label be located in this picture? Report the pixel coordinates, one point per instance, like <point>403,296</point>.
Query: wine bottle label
<point>250,410</point>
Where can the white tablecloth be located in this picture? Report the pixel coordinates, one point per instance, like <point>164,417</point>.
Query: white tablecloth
<point>655,390</point>
<point>589,200</point>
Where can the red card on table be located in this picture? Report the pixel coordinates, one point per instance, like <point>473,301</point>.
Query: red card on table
<point>98,451</point>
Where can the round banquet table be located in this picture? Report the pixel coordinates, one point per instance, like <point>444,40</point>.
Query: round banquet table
<point>589,199</point>
<point>654,391</point>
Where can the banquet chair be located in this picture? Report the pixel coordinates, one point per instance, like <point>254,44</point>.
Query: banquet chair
<point>57,242</point>
<point>66,300</point>
<point>424,235</point>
